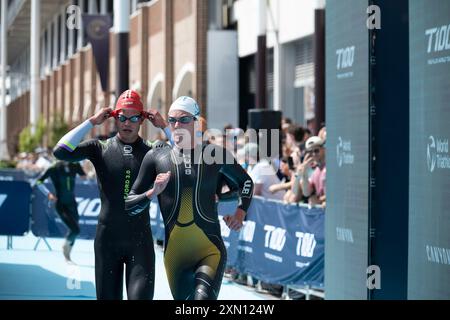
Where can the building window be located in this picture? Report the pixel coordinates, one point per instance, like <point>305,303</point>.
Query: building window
<point>57,40</point>
<point>110,6</point>
<point>269,78</point>
<point>304,62</point>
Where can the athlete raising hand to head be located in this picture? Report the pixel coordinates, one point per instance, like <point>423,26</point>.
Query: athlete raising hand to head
<point>121,240</point>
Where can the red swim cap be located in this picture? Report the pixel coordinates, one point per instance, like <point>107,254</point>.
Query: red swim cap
<point>129,99</point>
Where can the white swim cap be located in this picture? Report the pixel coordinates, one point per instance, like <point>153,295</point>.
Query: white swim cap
<point>313,142</point>
<point>186,104</point>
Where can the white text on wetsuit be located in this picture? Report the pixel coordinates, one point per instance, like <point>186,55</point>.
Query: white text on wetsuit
<point>187,164</point>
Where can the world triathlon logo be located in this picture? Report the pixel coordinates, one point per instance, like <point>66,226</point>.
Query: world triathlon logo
<point>339,152</point>
<point>344,153</point>
<point>437,154</point>
<point>431,154</point>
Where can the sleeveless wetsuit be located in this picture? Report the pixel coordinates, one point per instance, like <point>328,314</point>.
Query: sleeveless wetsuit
<point>195,254</point>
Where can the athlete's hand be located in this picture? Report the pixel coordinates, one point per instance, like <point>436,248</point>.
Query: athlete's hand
<point>52,197</point>
<point>160,184</point>
<point>101,116</point>
<point>156,119</point>
<point>236,221</point>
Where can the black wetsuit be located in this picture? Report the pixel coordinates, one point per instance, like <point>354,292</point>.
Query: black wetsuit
<point>195,255</point>
<point>62,174</point>
<point>120,239</point>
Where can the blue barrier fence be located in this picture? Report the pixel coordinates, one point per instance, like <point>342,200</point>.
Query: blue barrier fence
<point>12,175</point>
<point>45,221</point>
<point>14,207</point>
<point>279,243</point>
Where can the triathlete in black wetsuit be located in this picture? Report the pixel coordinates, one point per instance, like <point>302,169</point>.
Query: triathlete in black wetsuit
<point>62,174</point>
<point>120,239</point>
<point>186,182</point>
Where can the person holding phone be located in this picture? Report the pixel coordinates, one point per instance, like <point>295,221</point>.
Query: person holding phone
<point>311,174</point>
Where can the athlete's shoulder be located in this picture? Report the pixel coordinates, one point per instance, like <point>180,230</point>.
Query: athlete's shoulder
<point>54,164</point>
<point>103,143</point>
<point>158,144</point>
<point>158,149</point>
<point>147,144</point>
<point>90,142</point>
<point>53,167</point>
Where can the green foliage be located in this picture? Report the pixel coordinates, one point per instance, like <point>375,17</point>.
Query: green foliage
<point>7,164</point>
<point>58,130</point>
<point>29,142</point>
